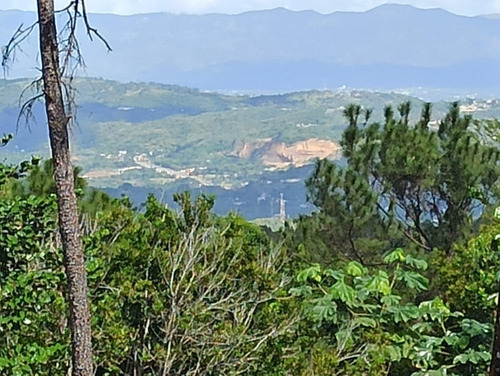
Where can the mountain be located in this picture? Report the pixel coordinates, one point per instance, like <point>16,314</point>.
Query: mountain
<point>491,16</point>
<point>135,138</point>
<point>391,46</point>
<point>179,128</point>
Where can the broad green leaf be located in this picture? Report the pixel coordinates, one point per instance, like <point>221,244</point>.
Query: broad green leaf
<point>462,358</point>
<point>398,255</point>
<point>313,273</point>
<point>367,307</point>
<point>394,353</point>
<point>379,283</point>
<point>355,269</point>
<point>397,338</point>
<point>303,291</point>
<point>472,356</point>
<point>435,309</point>
<point>404,313</point>
<point>453,339</point>
<point>390,300</point>
<point>365,321</point>
<point>475,328</point>
<point>416,263</point>
<point>335,274</point>
<point>324,309</point>
<point>423,327</point>
<point>343,291</point>
<point>4,362</point>
<point>413,279</point>
<point>424,356</point>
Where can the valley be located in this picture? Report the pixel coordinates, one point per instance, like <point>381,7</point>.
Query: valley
<point>250,188</point>
<point>138,138</point>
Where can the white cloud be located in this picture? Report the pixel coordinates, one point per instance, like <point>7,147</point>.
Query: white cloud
<point>466,7</point>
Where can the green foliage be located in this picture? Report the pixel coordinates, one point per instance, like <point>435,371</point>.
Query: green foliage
<point>468,276</point>
<point>170,292</point>
<point>188,292</point>
<point>366,323</point>
<point>9,173</point>
<point>402,184</point>
<point>33,178</point>
<point>185,291</point>
<point>33,334</point>
<point>194,214</point>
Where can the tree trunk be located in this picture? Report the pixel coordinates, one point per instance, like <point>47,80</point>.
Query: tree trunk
<point>495,352</point>
<point>67,208</point>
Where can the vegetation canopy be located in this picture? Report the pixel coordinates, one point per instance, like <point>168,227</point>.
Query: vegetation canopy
<point>187,292</point>
<point>424,185</point>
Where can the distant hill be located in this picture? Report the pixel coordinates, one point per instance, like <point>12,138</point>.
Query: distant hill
<point>391,46</point>
<point>135,138</point>
<point>154,134</point>
<point>492,16</point>
<point>151,134</point>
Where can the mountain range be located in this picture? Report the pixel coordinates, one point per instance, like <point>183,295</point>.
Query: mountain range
<point>136,139</point>
<point>391,46</point>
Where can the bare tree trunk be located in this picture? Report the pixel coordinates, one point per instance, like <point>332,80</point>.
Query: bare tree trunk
<point>66,198</point>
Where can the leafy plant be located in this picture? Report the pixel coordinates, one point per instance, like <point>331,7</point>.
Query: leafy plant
<point>373,327</point>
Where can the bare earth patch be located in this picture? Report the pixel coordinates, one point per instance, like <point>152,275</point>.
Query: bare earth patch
<point>281,155</point>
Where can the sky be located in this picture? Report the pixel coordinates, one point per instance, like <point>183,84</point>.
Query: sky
<point>463,7</point>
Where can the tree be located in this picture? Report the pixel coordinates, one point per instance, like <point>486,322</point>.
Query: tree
<point>424,186</point>
<point>469,282</point>
<point>54,93</point>
<point>368,322</point>
<point>65,189</point>
<point>172,293</point>
<point>40,182</point>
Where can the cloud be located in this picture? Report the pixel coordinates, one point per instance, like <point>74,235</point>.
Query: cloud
<point>465,7</point>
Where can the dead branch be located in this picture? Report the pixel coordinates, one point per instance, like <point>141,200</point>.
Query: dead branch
<point>71,59</point>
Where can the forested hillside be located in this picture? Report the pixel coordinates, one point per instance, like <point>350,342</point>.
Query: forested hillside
<point>394,274</point>
<point>391,268</point>
<point>141,138</point>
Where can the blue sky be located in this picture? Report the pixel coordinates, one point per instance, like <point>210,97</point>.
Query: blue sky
<point>464,7</point>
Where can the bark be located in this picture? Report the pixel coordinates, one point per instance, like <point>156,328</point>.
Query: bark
<point>495,352</point>
<point>66,198</point>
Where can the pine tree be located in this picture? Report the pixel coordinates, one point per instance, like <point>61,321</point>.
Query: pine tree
<point>402,183</point>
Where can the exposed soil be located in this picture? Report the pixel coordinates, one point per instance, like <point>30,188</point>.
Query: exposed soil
<point>281,155</point>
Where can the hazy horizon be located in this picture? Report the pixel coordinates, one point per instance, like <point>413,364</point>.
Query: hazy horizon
<point>129,7</point>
